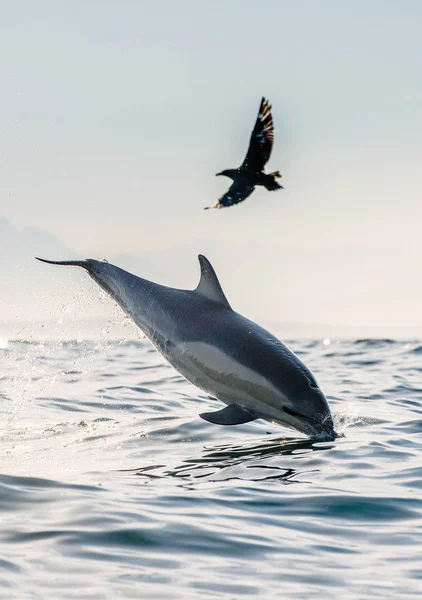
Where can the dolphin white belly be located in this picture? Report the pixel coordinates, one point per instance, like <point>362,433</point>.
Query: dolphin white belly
<point>218,374</point>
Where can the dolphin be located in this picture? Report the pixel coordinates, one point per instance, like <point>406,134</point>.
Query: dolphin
<point>217,349</point>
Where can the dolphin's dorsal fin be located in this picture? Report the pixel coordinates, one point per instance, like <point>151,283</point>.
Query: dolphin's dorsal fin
<point>208,285</point>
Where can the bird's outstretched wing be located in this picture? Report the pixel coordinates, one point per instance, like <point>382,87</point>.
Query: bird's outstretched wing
<point>262,139</point>
<point>237,192</point>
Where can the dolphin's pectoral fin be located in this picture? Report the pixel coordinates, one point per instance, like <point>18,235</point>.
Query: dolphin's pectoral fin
<point>230,415</point>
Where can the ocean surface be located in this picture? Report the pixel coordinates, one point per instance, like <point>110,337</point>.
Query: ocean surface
<point>112,486</point>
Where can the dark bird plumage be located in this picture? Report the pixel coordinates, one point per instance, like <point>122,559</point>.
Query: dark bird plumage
<point>251,172</point>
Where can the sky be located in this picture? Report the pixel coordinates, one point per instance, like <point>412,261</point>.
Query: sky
<point>116,116</point>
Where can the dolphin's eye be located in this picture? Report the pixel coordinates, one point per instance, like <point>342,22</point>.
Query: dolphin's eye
<point>295,413</point>
<point>312,383</point>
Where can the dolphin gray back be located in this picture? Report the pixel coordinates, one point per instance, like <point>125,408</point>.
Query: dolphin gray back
<point>156,308</point>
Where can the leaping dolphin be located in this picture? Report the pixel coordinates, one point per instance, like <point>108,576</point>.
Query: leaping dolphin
<point>219,350</point>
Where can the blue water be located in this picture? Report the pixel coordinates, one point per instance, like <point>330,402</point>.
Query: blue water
<point>112,486</point>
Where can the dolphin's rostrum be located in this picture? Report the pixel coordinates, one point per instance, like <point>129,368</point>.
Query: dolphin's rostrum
<point>219,350</point>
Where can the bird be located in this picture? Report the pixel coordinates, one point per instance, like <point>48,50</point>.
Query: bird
<point>251,172</point>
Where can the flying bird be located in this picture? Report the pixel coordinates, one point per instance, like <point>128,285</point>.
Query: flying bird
<point>251,172</point>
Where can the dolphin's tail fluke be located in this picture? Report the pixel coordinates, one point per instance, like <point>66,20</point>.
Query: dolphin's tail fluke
<point>86,264</point>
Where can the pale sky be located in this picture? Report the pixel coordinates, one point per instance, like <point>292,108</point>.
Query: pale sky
<point>115,117</point>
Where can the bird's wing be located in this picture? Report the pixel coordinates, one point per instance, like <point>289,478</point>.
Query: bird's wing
<point>237,192</point>
<point>262,139</point>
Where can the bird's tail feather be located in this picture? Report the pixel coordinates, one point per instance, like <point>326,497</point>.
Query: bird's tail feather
<point>274,186</point>
<point>271,183</point>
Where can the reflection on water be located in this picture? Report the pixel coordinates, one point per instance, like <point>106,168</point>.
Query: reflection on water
<point>225,462</point>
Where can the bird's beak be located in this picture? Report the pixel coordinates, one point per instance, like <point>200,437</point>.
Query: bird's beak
<point>217,174</point>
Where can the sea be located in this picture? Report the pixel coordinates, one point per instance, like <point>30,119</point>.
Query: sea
<point>111,486</point>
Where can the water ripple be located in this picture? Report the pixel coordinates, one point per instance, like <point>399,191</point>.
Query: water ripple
<point>113,484</point>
